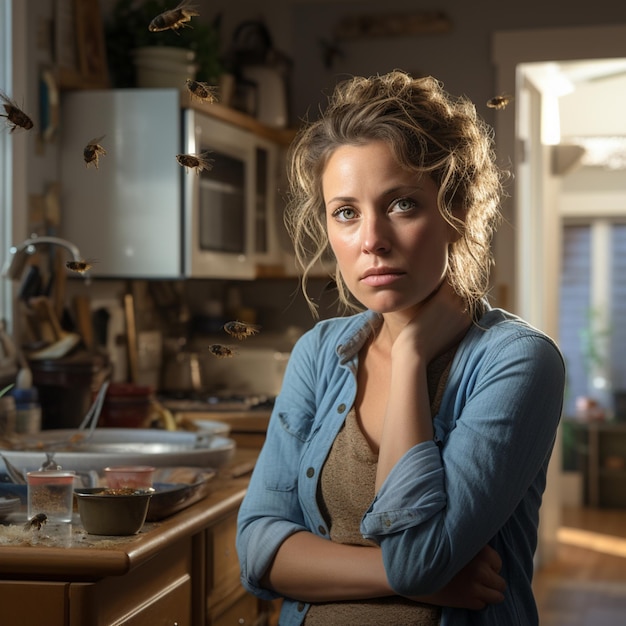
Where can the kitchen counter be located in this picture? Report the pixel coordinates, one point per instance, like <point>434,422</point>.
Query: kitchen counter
<point>247,428</point>
<point>183,569</point>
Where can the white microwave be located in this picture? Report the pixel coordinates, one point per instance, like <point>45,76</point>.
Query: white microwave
<point>140,214</point>
<point>229,208</point>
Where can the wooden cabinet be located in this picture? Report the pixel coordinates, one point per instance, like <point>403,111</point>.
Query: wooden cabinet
<point>182,571</point>
<point>157,592</point>
<point>604,461</point>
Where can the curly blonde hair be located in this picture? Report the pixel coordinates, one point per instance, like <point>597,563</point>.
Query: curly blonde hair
<point>429,131</point>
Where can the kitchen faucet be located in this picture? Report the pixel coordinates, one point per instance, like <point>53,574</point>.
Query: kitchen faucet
<point>14,266</point>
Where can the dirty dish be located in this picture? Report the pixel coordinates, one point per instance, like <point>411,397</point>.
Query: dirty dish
<point>8,504</point>
<point>105,511</point>
<point>126,446</point>
<point>129,476</point>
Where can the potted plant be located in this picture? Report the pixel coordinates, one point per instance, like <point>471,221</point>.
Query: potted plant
<point>126,30</point>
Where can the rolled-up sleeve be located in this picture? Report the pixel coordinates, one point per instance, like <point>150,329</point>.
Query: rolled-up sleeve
<point>438,508</point>
<point>393,510</point>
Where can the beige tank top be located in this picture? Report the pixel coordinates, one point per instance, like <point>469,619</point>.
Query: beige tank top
<point>347,488</point>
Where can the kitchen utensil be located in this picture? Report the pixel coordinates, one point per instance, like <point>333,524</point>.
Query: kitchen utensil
<point>31,284</point>
<point>50,463</point>
<point>82,311</point>
<point>85,430</point>
<point>14,473</point>
<point>103,513</point>
<point>131,336</point>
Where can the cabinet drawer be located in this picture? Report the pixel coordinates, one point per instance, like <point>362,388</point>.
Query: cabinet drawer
<point>222,562</point>
<point>243,612</point>
<point>33,603</point>
<point>160,588</point>
<point>171,607</point>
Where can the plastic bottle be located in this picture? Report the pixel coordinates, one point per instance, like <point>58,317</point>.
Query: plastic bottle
<point>27,407</point>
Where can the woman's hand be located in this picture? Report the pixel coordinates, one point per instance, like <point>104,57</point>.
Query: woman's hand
<point>439,324</point>
<point>476,586</point>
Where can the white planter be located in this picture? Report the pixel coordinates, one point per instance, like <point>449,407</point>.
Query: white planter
<point>164,67</point>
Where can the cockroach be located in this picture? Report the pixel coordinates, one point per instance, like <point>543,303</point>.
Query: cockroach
<point>36,521</point>
<point>93,151</point>
<point>499,102</point>
<point>220,351</point>
<point>80,267</point>
<point>241,330</point>
<point>16,118</point>
<point>197,162</point>
<point>202,91</point>
<point>173,19</point>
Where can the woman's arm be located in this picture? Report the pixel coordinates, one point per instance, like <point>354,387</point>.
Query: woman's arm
<point>500,410</point>
<point>312,569</point>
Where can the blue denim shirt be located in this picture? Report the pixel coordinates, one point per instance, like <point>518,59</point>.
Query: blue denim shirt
<point>481,481</point>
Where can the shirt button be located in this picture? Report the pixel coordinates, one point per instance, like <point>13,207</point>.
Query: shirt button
<point>300,606</point>
<point>322,530</point>
<point>341,408</point>
<point>387,522</point>
<point>310,472</point>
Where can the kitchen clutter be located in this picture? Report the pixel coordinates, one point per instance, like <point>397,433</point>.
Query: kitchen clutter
<point>67,385</point>
<point>262,74</point>
<point>127,405</point>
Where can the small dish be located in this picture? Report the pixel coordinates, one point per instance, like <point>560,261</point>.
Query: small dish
<point>129,476</point>
<point>105,513</point>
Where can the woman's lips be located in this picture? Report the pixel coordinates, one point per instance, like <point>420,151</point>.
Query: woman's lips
<point>381,279</point>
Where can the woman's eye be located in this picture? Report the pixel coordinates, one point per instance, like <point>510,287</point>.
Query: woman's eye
<point>344,213</point>
<point>403,204</point>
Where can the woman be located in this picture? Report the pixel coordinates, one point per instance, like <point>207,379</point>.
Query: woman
<point>406,456</point>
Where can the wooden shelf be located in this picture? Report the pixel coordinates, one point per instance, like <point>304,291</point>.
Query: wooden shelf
<point>281,136</point>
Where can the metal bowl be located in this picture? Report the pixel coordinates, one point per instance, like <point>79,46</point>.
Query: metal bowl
<point>103,513</point>
<point>124,446</point>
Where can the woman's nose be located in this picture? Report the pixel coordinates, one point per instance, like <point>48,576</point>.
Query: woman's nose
<point>374,236</point>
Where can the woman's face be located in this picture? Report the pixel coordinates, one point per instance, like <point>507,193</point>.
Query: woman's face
<point>389,239</point>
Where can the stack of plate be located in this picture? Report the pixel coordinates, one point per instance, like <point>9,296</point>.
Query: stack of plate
<point>8,504</point>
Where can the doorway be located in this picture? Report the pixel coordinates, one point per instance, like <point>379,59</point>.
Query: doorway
<point>527,280</point>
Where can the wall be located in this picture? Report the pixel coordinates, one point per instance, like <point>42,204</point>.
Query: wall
<point>461,58</point>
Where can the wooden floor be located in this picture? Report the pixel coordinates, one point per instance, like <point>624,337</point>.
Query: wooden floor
<point>586,584</point>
